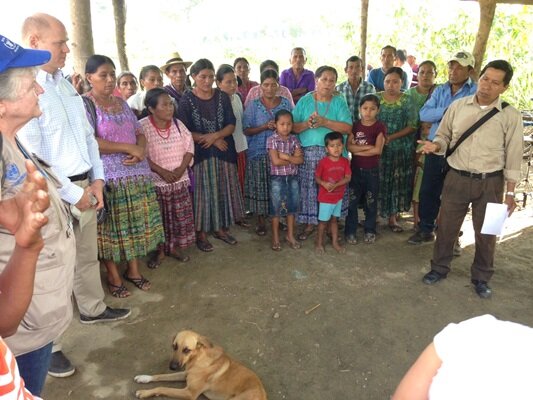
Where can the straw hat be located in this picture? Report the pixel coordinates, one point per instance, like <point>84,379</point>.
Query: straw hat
<point>175,58</point>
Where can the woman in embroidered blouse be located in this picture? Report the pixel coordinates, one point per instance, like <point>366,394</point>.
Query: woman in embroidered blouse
<point>208,115</point>
<point>170,151</point>
<point>258,126</point>
<point>396,167</point>
<point>316,114</point>
<point>133,226</point>
<point>242,69</point>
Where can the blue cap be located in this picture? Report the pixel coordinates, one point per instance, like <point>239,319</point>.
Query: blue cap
<point>14,56</point>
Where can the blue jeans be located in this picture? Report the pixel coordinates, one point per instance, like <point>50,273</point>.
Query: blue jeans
<point>430,192</point>
<point>33,367</point>
<point>365,185</point>
<point>284,195</point>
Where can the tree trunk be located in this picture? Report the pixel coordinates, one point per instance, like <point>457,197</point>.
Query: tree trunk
<point>364,27</point>
<point>82,34</point>
<point>119,10</point>
<point>487,9</point>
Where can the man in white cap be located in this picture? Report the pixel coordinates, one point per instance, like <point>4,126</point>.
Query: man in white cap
<point>63,137</point>
<point>459,85</point>
<point>176,70</point>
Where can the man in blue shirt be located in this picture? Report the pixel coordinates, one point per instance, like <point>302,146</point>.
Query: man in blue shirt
<point>377,76</point>
<point>459,85</point>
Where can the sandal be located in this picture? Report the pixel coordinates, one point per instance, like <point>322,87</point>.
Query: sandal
<point>370,237</point>
<point>204,245</point>
<point>226,238</point>
<point>396,228</point>
<point>243,224</point>
<point>351,239</point>
<point>293,245</point>
<point>276,246</point>
<point>141,282</point>
<point>306,233</point>
<point>153,261</point>
<point>119,291</point>
<point>180,257</point>
<point>260,230</point>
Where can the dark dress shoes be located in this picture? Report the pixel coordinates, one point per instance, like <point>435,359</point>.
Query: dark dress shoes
<point>432,277</point>
<point>482,289</point>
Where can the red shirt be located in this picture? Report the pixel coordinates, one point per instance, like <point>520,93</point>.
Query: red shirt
<point>332,171</point>
<point>367,135</point>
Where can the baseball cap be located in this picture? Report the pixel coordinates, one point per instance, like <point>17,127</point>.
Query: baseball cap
<point>14,56</point>
<point>464,58</point>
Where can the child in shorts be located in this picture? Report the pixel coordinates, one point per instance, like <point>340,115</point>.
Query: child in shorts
<point>332,174</point>
<point>285,153</point>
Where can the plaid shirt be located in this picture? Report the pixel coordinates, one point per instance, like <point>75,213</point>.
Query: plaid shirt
<point>275,142</point>
<point>352,98</point>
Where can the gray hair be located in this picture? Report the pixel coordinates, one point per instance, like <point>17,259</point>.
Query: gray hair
<point>10,81</point>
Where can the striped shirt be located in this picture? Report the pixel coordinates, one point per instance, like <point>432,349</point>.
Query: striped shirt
<point>11,384</point>
<point>62,135</point>
<point>353,99</point>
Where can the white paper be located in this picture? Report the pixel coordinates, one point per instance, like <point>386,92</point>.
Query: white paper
<point>495,216</point>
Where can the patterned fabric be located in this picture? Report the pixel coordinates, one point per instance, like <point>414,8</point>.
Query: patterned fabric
<point>62,135</point>
<point>308,188</point>
<point>418,100</point>
<point>217,199</point>
<point>257,185</point>
<point>168,152</point>
<point>276,142</point>
<point>396,169</point>
<point>176,211</point>
<point>208,116</point>
<point>133,225</point>
<point>256,92</point>
<point>11,383</point>
<point>353,99</point>
<point>241,169</point>
<point>256,114</point>
<point>245,88</point>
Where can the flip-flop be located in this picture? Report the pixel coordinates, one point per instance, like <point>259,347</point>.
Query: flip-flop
<point>306,233</point>
<point>260,230</point>
<point>243,224</point>
<point>118,291</point>
<point>140,282</point>
<point>204,245</point>
<point>293,245</point>
<point>396,228</point>
<point>226,238</point>
<point>276,247</point>
<point>180,257</point>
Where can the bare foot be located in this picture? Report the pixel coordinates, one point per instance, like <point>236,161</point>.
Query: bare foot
<point>319,250</point>
<point>340,249</point>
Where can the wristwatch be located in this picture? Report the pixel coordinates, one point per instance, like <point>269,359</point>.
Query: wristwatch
<point>509,194</point>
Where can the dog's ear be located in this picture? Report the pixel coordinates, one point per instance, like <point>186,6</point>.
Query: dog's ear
<point>202,341</point>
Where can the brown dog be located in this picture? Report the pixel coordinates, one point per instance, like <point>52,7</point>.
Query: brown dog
<point>208,371</point>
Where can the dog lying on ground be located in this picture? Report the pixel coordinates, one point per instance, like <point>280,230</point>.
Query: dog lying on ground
<point>208,371</point>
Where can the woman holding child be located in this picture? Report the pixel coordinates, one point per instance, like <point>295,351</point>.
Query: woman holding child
<point>258,126</point>
<point>316,114</point>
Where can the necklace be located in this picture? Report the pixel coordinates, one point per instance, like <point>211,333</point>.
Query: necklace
<point>316,106</point>
<point>161,131</point>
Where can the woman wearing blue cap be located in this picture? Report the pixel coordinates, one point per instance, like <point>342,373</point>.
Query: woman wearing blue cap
<point>44,277</point>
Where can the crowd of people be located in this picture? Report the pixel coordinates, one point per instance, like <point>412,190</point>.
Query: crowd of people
<point>177,165</point>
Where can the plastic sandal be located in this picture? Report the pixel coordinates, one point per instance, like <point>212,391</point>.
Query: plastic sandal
<point>204,245</point>
<point>118,291</point>
<point>226,238</point>
<point>276,247</point>
<point>141,282</point>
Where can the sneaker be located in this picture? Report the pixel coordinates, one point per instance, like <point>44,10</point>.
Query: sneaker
<point>482,289</point>
<point>369,238</point>
<point>457,249</point>
<point>109,315</point>
<point>60,366</point>
<point>421,237</point>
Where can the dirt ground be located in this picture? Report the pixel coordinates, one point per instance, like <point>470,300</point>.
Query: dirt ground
<point>374,315</point>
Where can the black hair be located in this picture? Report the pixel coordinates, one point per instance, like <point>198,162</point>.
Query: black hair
<point>370,97</point>
<point>152,97</point>
<point>145,70</point>
<point>269,73</point>
<point>281,113</point>
<point>202,63</point>
<point>401,55</point>
<point>268,63</point>
<point>325,68</point>
<point>353,59</point>
<point>223,70</point>
<point>96,61</point>
<point>501,65</point>
<point>428,62</point>
<point>331,136</point>
<point>394,70</point>
<point>240,59</point>
<point>389,47</point>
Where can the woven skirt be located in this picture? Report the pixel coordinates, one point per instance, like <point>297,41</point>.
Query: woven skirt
<point>175,203</point>
<point>133,226</point>
<point>257,185</point>
<point>217,200</point>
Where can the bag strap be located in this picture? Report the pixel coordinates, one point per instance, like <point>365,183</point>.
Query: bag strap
<point>91,109</point>
<point>474,127</point>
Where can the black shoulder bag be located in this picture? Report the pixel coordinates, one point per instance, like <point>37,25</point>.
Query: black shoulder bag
<point>469,132</point>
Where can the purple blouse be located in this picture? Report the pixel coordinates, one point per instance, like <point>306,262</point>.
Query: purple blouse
<point>117,123</point>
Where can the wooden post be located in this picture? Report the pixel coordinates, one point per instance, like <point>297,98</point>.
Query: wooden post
<point>487,9</point>
<point>82,35</point>
<point>119,11</point>
<point>364,27</point>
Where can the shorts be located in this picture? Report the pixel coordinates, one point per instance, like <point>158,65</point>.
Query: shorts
<point>327,210</point>
<point>284,195</point>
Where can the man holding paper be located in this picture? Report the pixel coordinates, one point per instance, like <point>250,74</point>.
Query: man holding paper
<point>480,167</point>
